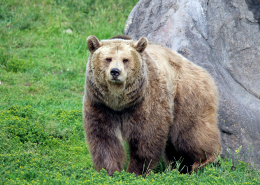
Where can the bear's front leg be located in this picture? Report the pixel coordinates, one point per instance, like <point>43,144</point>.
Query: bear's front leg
<point>146,140</point>
<point>102,129</point>
<point>145,153</point>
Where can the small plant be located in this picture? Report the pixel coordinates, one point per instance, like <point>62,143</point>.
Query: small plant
<point>18,65</point>
<point>4,57</point>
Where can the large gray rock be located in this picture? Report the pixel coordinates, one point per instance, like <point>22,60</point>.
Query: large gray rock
<point>222,36</point>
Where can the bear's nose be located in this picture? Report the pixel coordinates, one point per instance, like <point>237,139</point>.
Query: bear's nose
<point>115,72</point>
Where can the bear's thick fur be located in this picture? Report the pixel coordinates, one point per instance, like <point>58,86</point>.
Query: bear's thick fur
<point>155,100</point>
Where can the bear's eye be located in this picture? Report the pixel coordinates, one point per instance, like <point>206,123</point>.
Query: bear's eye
<point>125,60</point>
<point>108,59</point>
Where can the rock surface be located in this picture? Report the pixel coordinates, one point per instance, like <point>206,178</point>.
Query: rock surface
<point>222,36</point>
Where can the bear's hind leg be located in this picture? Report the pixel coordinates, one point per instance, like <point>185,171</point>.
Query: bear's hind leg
<point>201,164</point>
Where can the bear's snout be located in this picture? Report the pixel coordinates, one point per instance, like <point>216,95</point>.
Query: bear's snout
<point>115,72</point>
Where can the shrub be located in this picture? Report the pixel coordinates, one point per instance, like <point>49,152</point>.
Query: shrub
<point>21,111</point>
<point>18,65</point>
<point>67,117</point>
<point>18,125</point>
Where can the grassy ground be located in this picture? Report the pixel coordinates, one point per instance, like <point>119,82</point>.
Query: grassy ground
<point>42,72</point>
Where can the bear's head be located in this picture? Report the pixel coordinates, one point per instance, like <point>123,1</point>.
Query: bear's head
<point>116,64</point>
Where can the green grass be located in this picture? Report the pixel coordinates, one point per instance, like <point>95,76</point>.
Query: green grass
<point>42,73</point>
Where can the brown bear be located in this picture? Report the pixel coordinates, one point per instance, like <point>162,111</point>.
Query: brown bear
<point>156,100</point>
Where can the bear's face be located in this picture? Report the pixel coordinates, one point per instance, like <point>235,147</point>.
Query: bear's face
<point>116,63</point>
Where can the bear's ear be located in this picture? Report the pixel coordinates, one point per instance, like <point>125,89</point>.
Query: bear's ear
<point>141,44</point>
<point>93,43</point>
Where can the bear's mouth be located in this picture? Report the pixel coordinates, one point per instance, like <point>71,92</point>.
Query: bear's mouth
<point>115,80</point>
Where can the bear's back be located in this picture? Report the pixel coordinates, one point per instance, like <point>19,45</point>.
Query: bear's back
<point>184,79</point>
